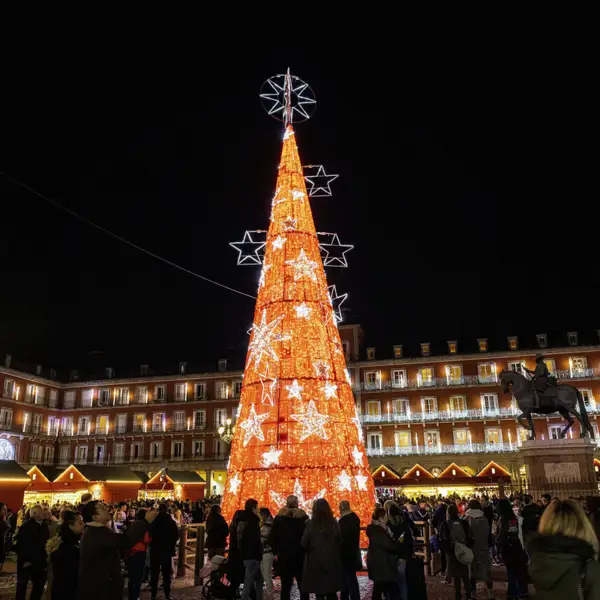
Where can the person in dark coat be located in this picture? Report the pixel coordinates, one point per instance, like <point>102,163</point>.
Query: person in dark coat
<point>351,559</point>
<point>481,567</point>
<point>322,574</point>
<point>530,513</point>
<point>250,545</point>
<point>382,557</point>
<point>138,541</point>
<point>236,570</point>
<point>455,530</point>
<point>63,551</point>
<point>164,536</point>
<point>439,516</point>
<point>564,556</point>
<point>4,527</point>
<point>400,526</point>
<point>99,563</point>
<point>511,550</point>
<point>285,540</point>
<point>216,532</point>
<point>31,555</point>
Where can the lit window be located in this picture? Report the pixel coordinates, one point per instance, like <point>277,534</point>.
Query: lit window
<point>513,343</point>
<point>397,351</point>
<point>489,402</point>
<point>461,437</point>
<point>401,406</point>
<point>493,435</point>
<point>550,364</point>
<point>452,347</point>
<point>399,379</point>
<point>578,366</point>
<point>483,344</point>
<point>425,349</point>
<point>454,373</point>
<point>402,439</point>
<point>425,376</point>
<point>429,405</point>
<point>432,440</point>
<point>458,403</point>
<point>373,380</point>
<point>373,408</point>
<point>486,372</point>
<point>370,353</point>
<point>554,431</point>
<point>516,366</point>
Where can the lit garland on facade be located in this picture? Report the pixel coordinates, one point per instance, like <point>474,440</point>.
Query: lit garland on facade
<point>299,431</point>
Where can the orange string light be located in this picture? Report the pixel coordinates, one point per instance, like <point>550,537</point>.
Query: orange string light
<point>297,430</point>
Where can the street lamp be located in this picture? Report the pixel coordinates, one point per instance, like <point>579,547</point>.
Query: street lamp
<point>226,431</point>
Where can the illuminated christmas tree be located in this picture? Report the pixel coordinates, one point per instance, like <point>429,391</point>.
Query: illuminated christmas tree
<point>298,430</point>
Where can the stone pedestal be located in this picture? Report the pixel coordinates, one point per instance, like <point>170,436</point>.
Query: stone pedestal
<point>560,468</point>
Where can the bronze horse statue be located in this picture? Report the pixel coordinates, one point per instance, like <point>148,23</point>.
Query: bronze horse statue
<point>564,401</point>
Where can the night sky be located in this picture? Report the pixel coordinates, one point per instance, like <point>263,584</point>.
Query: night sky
<point>460,186</point>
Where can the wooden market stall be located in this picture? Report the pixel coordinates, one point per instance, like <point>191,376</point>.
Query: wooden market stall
<point>174,485</point>
<point>13,482</point>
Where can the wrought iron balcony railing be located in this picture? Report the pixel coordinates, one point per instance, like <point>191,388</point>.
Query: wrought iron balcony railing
<point>442,449</point>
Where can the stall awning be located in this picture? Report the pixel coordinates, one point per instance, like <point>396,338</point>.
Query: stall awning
<point>11,470</point>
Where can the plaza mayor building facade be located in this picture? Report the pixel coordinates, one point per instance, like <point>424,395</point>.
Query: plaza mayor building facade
<point>431,423</point>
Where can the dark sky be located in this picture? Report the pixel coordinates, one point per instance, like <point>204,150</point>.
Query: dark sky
<point>445,167</point>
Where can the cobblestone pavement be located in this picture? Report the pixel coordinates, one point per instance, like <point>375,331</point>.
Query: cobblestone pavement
<point>184,589</point>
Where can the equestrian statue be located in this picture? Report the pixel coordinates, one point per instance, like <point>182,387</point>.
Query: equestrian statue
<point>543,395</point>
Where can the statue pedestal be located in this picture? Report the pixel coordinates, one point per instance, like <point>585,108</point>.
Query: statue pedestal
<point>560,468</point>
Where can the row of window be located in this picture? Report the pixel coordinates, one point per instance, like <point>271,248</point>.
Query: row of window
<point>35,394</point>
<point>33,423</point>
<point>454,373</point>
<point>98,452</point>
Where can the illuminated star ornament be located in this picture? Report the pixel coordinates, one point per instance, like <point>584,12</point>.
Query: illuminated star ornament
<point>321,368</point>
<point>234,483</point>
<point>303,267</point>
<point>305,504</point>
<point>358,456</point>
<point>252,426</point>
<point>271,457</point>
<point>344,481</point>
<point>250,249</point>
<point>333,252</point>
<point>356,421</point>
<point>269,387</point>
<point>330,390</point>
<point>289,224</point>
<point>361,481</point>
<point>263,274</point>
<point>313,423</point>
<point>294,390</point>
<point>319,181</point>
<point>263,338</point>
<point>336,302</point>
<point>278,242</point>
<point>298,195</point>
<point>288,98</point>
<point>303,311</point>
<point>348,378</point>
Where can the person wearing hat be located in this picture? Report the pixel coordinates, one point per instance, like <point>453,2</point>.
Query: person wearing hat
<point>539,381</point>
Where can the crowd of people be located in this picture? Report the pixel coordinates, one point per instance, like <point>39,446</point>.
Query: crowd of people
<point>80,552</point>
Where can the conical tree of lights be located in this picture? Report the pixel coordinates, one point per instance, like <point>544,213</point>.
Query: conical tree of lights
<point>297,430</point>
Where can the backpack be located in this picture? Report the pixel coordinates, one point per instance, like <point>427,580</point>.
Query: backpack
<point>463,553</point>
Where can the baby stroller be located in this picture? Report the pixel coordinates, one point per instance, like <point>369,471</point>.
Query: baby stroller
<point>214,585</point>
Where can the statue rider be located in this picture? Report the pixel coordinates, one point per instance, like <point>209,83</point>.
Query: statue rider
<point>539,381</point>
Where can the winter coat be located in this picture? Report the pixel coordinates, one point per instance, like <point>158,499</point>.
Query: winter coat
<point>216,531</point>
<point>99,564</point>
<point>399,526</point>
<point>31,542</point>
<point>481,568</point>
<point>64,557</point>
<point>450,533</point>
<point>350,531</point>
<point>531,519</point>
<point>419,514</point>
<point>285,538</point>
<point>164,534</point>
<point>265,534</point>
<point>439,516</point>
<point>322,573</point>
<point>560,564</point>
<point>509,542</point>
<point>382,555</point>
<point>248,537</point>
<point>138,533</point>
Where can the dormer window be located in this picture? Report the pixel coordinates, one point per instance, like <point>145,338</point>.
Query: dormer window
<point>452,347</point>
<point>397,351</point>
<point>425,349</point>
<point>572,338</point>
<point>370,353</point>
<point>483,345</point>
<point>542,340</point>
<point>513,342</point>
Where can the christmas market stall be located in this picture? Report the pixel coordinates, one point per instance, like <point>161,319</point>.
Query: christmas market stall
<point>173,485</point>
<point>13,482</point>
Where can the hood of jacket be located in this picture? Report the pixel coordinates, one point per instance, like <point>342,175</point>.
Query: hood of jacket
<point>474,513</point>
<point>292,513</point>
<point>553,556</point>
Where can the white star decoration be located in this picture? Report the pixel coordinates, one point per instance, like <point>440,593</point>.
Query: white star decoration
<point>313,422</point>
<point>321,368</point>
<point>303,311</point>
<point>269,387</point>
<point>320,182</point>
<point>298,195</point>
<point>271,457</point>
<point>278,242</point>
<point>356,421</point>
<point>348,378</point>
<point>361,481</point>
<point>294,390</point>
<point>234,484</point>
<point>344,481</point>
<point>305,504</point>
<point>263,338</point>
<point>304,266</point>
<point>289,224</point>
<point>357,455</point>
<point>252,426</point>
<point>263,274</point>
<point>288,132</point>
<point>330,390</point>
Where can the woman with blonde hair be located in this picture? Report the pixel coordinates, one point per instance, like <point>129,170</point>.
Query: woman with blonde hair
<point>564,555</point>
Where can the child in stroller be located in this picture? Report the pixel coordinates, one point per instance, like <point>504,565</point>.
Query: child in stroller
<point>214,583</point>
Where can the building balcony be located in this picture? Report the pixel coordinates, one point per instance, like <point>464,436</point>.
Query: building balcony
<point>442,415</point>
<point>442,449</point>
